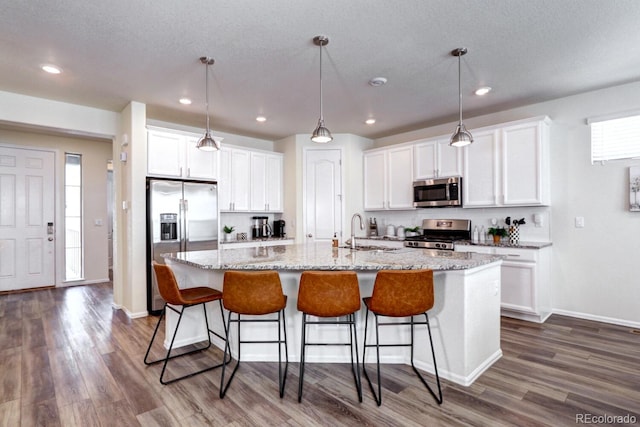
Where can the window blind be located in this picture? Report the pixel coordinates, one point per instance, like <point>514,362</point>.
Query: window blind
<point>615,139</point>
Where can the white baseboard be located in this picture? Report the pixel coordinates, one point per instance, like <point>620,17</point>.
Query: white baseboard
<point>82,282</point>
<point>593,317</point>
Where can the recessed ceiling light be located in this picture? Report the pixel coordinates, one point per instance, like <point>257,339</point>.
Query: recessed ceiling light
<point>261,119</point>
<point>185,101</point>
<point>483,90</point>
<point>51,69</point>
<point>370,121</point>
<point>377,81</point>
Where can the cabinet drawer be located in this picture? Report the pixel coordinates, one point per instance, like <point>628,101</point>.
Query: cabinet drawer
<point>515,254</point>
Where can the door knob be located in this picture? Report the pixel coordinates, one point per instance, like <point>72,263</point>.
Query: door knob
<point>309,235</point>
<point>50,239</point>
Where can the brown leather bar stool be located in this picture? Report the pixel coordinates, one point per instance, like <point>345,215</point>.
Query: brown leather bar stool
<point>183,298</point>
<point>400,293</point>
<point>255,293</point>
<point>330,294</point>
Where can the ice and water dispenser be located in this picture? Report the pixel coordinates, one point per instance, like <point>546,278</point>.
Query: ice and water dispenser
<point>168,226</point>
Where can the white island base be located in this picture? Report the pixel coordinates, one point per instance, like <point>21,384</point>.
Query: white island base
<point>465,323</point>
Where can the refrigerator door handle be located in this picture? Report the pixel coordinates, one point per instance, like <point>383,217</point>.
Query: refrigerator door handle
<point>185,223</point>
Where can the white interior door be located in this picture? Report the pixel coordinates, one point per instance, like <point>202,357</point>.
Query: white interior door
<point>27,244</point>
<point>322,194</point>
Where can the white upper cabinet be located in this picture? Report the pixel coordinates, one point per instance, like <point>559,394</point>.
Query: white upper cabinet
<point>234,185</point>
<point>174,155</point>
<point>508,165</point>
<point>434,158</point>
<point>266,182</point>
<point>388,178</point>
<point>250,180</point>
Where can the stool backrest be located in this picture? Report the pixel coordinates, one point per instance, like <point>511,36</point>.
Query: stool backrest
<point>167,284</point>
<point>252,292</point>
<point>329,293</point>
<point>401,293</point>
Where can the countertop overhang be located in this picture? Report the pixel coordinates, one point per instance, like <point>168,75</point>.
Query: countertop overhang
<point>322,256</point>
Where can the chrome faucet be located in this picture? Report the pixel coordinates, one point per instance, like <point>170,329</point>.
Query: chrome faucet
<point>353,233</point>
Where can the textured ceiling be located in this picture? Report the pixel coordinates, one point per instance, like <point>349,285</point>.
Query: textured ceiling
<point>116,51</point>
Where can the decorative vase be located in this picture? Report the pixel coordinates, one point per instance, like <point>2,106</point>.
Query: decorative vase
<point>227,237</point>
<point>514,234</point>
<point>496,239</point>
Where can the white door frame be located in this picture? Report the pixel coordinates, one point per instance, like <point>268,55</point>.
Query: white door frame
<point>305,151</point>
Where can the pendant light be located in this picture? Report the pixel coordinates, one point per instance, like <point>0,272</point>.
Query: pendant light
<point>207,143</point>
<point>461,136</point>
<point>321,134</point>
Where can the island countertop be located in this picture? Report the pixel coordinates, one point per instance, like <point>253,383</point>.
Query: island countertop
<point>321,256</point>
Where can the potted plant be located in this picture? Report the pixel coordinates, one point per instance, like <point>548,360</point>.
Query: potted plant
<point>497,233</point>
<point>411,231</point>
<point>227,232</point>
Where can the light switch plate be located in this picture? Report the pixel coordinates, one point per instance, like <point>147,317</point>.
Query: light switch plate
<point>579,222</point>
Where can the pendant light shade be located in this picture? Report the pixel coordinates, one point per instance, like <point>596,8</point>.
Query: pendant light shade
<point>321,134</point>
<point>461,136</point>
<point>207,143</point>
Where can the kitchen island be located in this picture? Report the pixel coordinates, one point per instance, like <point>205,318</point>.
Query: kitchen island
<point>465,319</point>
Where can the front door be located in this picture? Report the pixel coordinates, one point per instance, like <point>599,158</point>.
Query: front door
<point>322,194</point>
<point>27,244</point>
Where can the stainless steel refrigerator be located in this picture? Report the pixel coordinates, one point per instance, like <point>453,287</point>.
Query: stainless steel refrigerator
<point>181,216</point>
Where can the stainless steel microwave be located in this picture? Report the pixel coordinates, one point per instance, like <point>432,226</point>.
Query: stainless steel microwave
<point>437,192</point>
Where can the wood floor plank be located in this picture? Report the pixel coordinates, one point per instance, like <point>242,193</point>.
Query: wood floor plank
<point>10,374</point>
<point>36,379</point>
<point>68,358</point>
<point>10,413</point>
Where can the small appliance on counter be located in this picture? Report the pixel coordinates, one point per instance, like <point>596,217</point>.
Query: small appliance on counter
<point>373,227</point>
<point>260,228</point>
<point>278,228</point>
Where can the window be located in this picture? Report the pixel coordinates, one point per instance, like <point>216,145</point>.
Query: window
<point>73,217</point>
<point>615,138</point>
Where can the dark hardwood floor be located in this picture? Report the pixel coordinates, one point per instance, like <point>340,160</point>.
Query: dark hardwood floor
<point>67,358</point>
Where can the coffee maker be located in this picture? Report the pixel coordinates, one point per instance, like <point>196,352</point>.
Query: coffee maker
<point>260,228</point>
<point>278,228</point>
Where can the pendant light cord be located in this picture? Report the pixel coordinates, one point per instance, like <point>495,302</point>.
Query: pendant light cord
<point>321,115</point>
<point>206,88</point>
<point>460,86</point>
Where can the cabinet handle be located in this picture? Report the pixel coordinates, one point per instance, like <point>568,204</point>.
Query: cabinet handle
<point>180,170</point>
<point>189,172</point>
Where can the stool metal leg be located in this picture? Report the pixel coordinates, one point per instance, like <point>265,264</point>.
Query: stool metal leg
<point>168,355</point>
<point>354,343</point>
<point>282,326</point>
<point>438,398</point>
<point>302,348</point>
<point>378,395</point>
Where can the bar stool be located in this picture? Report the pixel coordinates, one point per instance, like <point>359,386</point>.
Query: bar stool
<point>330,294</point>
<point>400,293</point>
<point>185,298</point>
<point>255,293</point>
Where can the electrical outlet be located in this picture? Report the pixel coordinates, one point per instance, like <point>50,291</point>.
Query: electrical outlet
<point>579,222</point>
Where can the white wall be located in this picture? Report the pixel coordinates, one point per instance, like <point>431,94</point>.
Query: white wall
<point>595,269</point>
<point>95,156</point>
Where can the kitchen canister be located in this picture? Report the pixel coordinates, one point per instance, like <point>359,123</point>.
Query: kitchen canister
<point>514,234</point>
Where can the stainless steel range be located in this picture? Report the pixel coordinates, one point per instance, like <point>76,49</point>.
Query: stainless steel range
<point>440,234</point>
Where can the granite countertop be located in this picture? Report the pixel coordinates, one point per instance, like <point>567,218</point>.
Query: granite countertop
<point>321,256</point>
<point>505,244</point>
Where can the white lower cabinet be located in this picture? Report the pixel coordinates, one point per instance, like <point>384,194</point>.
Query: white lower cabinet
<point>525,280</point>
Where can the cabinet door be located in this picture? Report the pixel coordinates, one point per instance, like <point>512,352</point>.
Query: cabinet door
<point>426,160</point>
<point>258,174</point>
<point>275,182</point>
<point>449,159</point>
<point>200,164</point>
<point>224,182</point>
<point>240,179</point>
<point>522,174</point>
<point>480,182</point>
<point>518,286</point>
<point>400,178</point>
<point>374,180</point>
<point>164,154</point>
